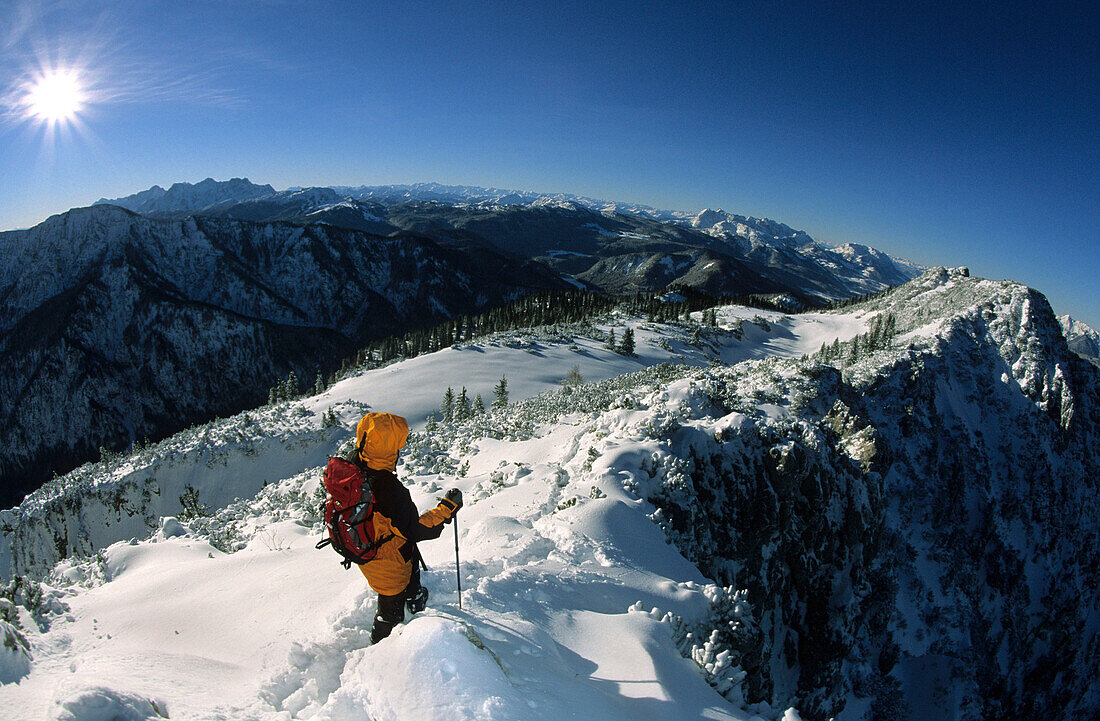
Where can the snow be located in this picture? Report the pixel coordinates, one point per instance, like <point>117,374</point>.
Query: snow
<point>416,385</point>
<point>553,556</point>
<point>96,703</point>
<point>572,594</point>
<point>773,334</point>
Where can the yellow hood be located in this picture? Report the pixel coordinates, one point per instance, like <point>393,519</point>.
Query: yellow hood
<point>379,436</point>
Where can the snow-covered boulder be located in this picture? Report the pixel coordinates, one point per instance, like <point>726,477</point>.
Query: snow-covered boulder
<point>99,703</point>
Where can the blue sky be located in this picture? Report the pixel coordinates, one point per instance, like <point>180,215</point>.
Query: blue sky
<point>950,134</point>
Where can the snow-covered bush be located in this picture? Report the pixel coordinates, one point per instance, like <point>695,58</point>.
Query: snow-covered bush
<point>15,652</point>
<point>717,642</point>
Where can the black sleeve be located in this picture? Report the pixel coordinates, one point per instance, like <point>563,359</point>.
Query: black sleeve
<point>394,501</point>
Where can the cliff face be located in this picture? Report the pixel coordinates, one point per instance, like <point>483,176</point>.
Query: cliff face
<point>919,531</point>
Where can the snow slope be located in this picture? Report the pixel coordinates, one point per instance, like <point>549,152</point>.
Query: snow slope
<point>267,445</point>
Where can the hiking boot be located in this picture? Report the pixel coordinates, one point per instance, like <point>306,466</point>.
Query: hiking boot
<point>418,601</point>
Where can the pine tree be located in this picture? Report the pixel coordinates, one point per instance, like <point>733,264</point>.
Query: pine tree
<point>889,329</point>
<point>448,407</point>
<point>192,507</point>
<point>462,407</point>
<point>319,384</point>
<point>479,405</point>
<point>610,344</point>
<point>500,393</point>
<point>626,345</point>
<point>432,424</point>
<point>292,390</point>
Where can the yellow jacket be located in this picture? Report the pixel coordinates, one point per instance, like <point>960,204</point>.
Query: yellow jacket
<point>379,437</point>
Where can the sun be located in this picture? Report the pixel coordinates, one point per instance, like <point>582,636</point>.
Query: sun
<point>56,97</point>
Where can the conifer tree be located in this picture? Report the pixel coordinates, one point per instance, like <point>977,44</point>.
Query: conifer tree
<point>448,407</point>
<point>462,407</point>
<point>610,344</point>
<point>479,405</point>
<point>626,345</point>
<point>191,506</point>
<point>853,351</point>
<point>319,384</point>
<point>292,390</point>
<point>889,330</point>
<point>500,393</point>
<point>573,377</point>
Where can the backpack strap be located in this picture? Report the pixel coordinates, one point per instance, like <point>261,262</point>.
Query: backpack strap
<point>359,449</point>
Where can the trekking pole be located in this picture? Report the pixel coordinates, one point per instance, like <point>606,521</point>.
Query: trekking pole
<point>458,573</point>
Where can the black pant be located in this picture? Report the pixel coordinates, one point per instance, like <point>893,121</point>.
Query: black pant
<point>391,609</point>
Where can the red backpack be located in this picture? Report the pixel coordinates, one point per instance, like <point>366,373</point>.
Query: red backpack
<point>349,513</point>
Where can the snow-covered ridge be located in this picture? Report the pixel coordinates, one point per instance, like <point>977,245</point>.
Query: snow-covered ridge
<point>755,231</point>
<point>184,196</point>
<point>39,532</point>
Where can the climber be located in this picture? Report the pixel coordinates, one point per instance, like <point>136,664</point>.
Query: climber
<point>394,573</point>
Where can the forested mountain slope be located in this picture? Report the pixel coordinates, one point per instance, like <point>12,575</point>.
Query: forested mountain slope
<point>116,327</point>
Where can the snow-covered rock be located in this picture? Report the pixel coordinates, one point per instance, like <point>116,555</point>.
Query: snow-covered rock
<point>97,703</point>
<point>1083,340</point>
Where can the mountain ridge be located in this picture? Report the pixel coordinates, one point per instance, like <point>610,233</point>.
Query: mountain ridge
<point>452,213</point>
<point>719,223</point>
<point>1082,339</point>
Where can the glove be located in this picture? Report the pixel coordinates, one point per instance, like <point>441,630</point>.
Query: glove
<point>452,501</point>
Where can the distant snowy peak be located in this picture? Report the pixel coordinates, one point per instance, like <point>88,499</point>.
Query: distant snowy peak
<point>190,197</point>
<point>475,195</point>
<point>1083,340</point>
<point>757,231</point>
<point>1074,327</point>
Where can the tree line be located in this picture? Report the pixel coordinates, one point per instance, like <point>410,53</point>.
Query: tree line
<point>536,309</point>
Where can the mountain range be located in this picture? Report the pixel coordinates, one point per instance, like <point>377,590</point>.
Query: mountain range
<point>139,316</point>
<point>569,233</point>
<point>118,327</point>
<point>882,508</point>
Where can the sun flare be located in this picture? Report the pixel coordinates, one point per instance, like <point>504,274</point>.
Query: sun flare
<point>56,97</point>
